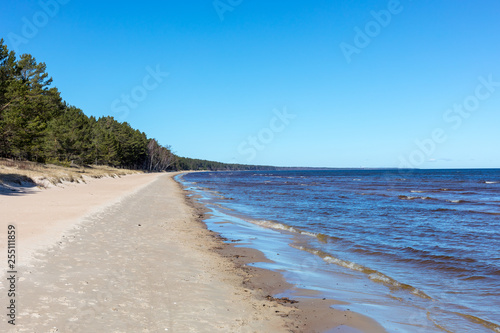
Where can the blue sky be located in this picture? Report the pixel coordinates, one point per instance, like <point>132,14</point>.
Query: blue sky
<point>294,83</point>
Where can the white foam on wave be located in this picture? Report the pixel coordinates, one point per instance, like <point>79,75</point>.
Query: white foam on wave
<point>284,227</point>
<point>308,233</point>
<point>379,278</point>
<point>273,225</point>
<point>407,197</point>
<point>373,275</point>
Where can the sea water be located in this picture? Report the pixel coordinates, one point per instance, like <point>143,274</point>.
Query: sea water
<point>416,250</point>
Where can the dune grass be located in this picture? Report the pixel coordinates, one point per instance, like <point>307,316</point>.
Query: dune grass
<point>25,173</point>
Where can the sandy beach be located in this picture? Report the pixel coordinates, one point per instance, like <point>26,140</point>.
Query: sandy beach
<point>131,254</point>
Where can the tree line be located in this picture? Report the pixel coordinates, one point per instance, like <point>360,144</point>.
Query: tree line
<point>37,125</point>
<point>185,163</point>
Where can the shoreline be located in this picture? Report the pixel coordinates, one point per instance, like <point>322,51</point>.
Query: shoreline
<point>308,313</point>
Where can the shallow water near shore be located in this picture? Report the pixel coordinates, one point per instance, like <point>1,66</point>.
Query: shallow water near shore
<point>416,251</point>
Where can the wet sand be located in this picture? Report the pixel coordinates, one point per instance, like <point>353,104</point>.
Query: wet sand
<point>132,255</point>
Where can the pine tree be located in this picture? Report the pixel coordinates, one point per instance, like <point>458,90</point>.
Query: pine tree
<point>68,137</point>
<point>30,104</point>
<point>7,75</point>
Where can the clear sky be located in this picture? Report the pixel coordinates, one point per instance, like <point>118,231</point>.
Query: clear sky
<point>337,83</point>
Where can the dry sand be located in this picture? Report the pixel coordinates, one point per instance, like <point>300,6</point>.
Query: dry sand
<point>131,255</point>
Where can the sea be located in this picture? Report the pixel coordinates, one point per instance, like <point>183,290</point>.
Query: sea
<point>415,250</point>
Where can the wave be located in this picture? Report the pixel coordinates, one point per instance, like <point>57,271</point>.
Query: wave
<point>368,252</point>
<point>375,194</point>
<point>407,197</point>
<point>465,211</point>
<point>486,213</point>
<point>220,206</point>
<point>372,274</point>
<point>475,202</point>
<point>487,182</point>
<point>434,261</point>
<point>430,255</point>
<point>285,227</point>
<point>453,201</point>
<point>445,210</point>
<point>488,324</point>
<point>475,278</point>
<point>462,191</point>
